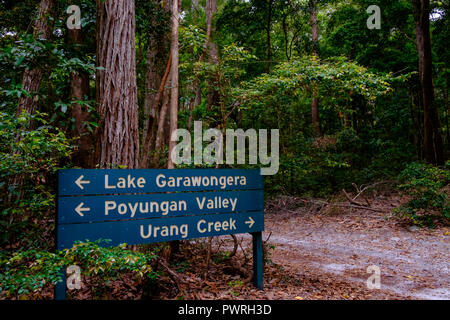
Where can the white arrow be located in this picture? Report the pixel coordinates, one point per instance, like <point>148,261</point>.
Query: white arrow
<point>79,182</point>
<point>79,209</point>
<point>250,222</point>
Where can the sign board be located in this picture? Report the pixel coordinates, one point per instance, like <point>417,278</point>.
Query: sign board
<point>152,205</point>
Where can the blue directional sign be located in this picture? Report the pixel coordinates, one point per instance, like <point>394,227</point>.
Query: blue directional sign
<point>144,206</point>
<point>161,230</point>
<point>113,203</point>
<point>113,181</point>
<point>152,205</point>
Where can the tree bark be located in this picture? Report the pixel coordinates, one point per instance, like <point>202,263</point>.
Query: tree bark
<point>213,53</point>
<point>195,101</point>
<point>152,82</point>
<point>174,82</point>
<point>32,78</point>
<point>157,57</point>
<point>148,136</point>
<point>160,131</point>
<point>118,139</point>
<point>268,28</point>
<point>433,146</point>
<point>447,109</point>
<point>315,53</point>
<point>79,88</point>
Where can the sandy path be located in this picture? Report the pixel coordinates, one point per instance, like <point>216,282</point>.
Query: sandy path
<point>413,264</point>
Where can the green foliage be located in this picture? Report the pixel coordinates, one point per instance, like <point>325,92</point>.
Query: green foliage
<point>428,186</point>
<point>29,159</point>
<point>27,272</point>
<point>349,152</point>
<point>336,80</point>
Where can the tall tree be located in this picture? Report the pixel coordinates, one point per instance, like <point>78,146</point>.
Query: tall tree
<point>174,48</point>
<point>158,61</point>
<point>213,52</point>
<point>163,96</point>
<point>32,78</point>
<point>118,136</point>
<point>152,82</point>
<point>315,53</point>
<point>158,67</point>
<point>79,88</point>
<point>433,147</point>
<point>268,29</point>
<point>155,128</point>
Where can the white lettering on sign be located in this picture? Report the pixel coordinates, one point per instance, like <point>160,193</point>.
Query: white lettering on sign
<point>199,181</point>
<point>216,203</point>
<point>144,207</point>
<point>125,183</point>
<point>164,231</point>
<point>203,226</point>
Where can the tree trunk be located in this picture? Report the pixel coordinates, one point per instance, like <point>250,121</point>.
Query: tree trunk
<point>31,81</point>
<point>160,131</point>
<point>150,128</point>
<point>315,52</point>
<point>157,57</point>
<point>433,147</point>
<point>213,53</point>
<point>268,28</point>
<point>174,82</point>
<point>152,82</point>
<point>118,140</point>
<point>447,108</point>
<point>195,101</point>
<point>79,88</point>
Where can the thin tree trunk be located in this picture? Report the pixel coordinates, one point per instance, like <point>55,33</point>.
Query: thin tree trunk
<point>433,147</point>
<point>447,107</point>
<point>213,53</point>
<point>157,57</point>
<point>196,101</point>
<point>268,28</point>
<point>32,78</point>
<point>118,140</point>
<point>152,82</point>
<point>149,134</point>
<point>79,88</point>
<point>315,52</point>
<point>174,82</point>
<point>160,131</point>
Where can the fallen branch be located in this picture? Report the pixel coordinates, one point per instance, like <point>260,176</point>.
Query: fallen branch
<point>344,204</point>
<point>173,275</point>
<point>352,201</point>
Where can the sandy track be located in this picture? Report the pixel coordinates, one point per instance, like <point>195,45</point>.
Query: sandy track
<point>413,264</point>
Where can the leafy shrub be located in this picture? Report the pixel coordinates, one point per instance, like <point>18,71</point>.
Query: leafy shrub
<point>428,187</point>
<point>28,272</point>
<point>29,159</point>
